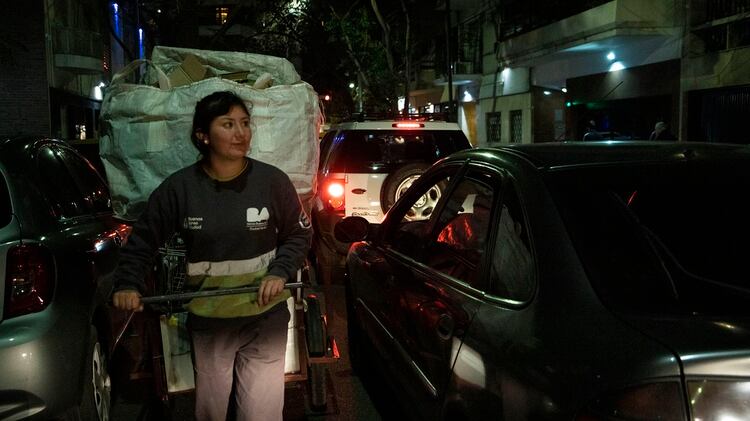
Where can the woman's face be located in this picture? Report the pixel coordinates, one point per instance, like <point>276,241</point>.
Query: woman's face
<point>229,135</point>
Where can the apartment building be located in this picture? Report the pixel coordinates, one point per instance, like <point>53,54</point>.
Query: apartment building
<point>56,58</point>
<point>715,70</point>
<point>527,71</point>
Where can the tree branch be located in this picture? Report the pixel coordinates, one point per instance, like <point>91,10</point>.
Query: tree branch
<point>386,33</point>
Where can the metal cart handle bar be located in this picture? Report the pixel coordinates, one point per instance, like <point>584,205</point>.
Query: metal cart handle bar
<point>190,295</point>
<point>209,293</point>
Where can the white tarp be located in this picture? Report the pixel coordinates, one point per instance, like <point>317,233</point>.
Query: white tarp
<point>146,129</point>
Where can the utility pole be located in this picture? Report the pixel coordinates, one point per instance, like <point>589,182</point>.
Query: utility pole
<point>450,59</point>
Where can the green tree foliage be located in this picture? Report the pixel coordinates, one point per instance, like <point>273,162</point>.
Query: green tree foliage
<point>367,59</point>
<point>382,39</point>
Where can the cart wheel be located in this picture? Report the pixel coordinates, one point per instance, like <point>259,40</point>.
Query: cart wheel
<point>316,344</point>
<point>309,276</point>
<point>317,379</point>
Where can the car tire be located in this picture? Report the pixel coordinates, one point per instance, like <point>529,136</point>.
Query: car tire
<point>96,400</point>
<point>399,181</point>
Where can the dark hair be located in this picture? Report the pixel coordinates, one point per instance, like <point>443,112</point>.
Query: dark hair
<point>210,107</point>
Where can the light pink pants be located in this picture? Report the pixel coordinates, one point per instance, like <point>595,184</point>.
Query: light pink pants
<point>239,366</point>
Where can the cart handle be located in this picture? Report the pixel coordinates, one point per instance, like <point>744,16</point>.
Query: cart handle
<point>187,296</point>
<point>210,293</point>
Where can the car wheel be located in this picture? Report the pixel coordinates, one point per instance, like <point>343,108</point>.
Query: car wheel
<point>399,181</point>
<point>97,386</point>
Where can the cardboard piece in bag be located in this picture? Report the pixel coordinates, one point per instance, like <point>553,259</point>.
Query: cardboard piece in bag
<point>189,71</point>
<point>239,77</point>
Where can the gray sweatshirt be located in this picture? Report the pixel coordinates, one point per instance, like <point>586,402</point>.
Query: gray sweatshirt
<point>235,232</point>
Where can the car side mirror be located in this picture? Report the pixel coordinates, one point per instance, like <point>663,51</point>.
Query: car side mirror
<point>351,229</point>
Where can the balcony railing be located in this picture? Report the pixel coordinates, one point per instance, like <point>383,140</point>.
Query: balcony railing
<point>77,42</point>
<point>515,17</point>
<point>725,8</point>
<point>723,24</point>
<point>466,49</point>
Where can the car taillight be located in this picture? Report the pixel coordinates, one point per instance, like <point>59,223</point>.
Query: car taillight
<point>29,280</point>
<point>334,194</point>
<point>653,401</point>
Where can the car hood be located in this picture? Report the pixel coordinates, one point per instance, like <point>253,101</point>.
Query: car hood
<point>705,346</point>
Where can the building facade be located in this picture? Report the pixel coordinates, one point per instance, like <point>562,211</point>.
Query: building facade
<point>533,71</point>
<point>56,59</point>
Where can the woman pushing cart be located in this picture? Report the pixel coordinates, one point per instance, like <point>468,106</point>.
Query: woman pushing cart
<point>243,226</point>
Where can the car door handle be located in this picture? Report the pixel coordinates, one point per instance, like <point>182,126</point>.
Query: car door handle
<point>445,326</point>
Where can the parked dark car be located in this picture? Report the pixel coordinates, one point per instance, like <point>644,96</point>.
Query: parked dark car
<point>572,281</point>
<point>58,241</point>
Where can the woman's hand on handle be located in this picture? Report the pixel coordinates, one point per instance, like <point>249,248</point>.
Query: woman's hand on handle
<point>127,299</point>
<point>270,287</point>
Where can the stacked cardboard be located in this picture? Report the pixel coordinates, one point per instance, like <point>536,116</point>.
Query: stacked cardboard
<point>192,70</point>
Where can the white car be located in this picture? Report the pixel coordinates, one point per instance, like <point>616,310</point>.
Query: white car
<point>365,166</point>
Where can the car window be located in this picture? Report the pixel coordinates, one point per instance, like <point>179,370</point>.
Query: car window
<point>58,186</point>
<point>325,147</point>
<point>661,238</point>
<point>453,241</point>
<point>512,265</point>
<point>359,150</point>
<point>89,182</point>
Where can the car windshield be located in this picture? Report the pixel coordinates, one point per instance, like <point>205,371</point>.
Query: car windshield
<point>667,239</point>
<point>357,151</point>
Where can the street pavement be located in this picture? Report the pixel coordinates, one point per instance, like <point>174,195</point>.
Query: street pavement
<point>348,398</point>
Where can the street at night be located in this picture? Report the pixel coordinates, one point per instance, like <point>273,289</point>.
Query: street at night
<point>232,210</point>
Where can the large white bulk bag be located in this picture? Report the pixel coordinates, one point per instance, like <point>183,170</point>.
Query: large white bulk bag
<point>146,127</point>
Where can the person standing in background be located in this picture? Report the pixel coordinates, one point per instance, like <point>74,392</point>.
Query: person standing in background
<point>661,132</point>
<point>591,132</point>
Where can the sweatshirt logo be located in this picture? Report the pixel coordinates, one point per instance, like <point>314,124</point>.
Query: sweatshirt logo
<point>257,219</point>
<point>193,223</point>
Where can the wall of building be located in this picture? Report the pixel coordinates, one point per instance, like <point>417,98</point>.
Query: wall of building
<point>504,105</point>
<point>715,81</point>
<point>629,101</point>
<point>714,70</point>
<point>24,98</point>
<point>548,119</point>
